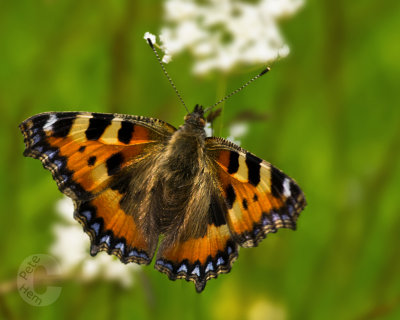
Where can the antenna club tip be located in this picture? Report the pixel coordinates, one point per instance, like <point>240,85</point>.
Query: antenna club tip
<point>264,71</point>
<point>150,43</point>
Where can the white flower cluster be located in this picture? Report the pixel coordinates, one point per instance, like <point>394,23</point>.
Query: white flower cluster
<point>71,248</point>
<point>224,33</point>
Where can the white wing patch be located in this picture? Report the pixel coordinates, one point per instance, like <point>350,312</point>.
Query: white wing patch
<point>49,124</point>
<point>286,188</point>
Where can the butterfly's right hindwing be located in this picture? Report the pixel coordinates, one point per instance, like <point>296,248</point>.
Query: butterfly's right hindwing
<point>83,151</point>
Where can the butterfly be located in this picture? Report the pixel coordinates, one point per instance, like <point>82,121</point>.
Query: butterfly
<point>138,181</point>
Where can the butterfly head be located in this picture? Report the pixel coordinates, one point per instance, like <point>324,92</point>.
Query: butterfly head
<point>196,118</point>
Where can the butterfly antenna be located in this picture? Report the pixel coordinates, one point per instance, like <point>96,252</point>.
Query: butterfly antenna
<point>166,74</point>
<point>239,89</point>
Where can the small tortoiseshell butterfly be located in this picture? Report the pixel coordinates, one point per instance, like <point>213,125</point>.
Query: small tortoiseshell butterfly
<point>137,180</point>
<point>134,179</point>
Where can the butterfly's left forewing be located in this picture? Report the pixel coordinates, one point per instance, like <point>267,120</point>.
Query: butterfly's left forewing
<point>260,198</point>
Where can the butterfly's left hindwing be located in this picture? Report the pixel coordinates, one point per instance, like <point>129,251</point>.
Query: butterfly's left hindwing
<point>260,198</point>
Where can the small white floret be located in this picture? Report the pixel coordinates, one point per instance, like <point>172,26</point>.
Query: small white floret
<point>150,36</point>
<point>167,58</point>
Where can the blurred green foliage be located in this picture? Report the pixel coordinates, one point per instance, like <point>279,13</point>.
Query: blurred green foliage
<point>333,124</point>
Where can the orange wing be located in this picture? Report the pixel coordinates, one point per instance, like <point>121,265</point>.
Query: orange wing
<point>260,198</point>
<point>113,230</point>
<point>87,154</point>
<point>199,259</point>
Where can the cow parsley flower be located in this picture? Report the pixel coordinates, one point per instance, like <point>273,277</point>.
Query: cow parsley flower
<point>221,34</point>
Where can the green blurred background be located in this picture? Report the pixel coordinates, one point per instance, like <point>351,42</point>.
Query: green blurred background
<point>333,123</point>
